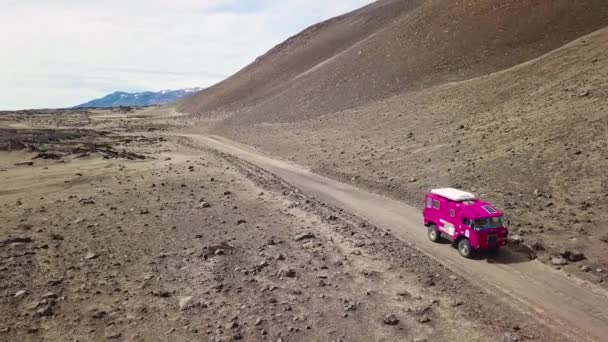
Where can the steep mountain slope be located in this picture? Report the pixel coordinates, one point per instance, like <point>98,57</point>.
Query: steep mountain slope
<point>507,99</point>
<point>533,139</point>
<point>147,98</point>
<point>391,47</point>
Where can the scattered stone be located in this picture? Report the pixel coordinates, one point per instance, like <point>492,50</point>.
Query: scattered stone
<point>161,293</point>
<point>185,302</point>
<point>54,282</point>
<point>45,310</point>
<point>280,257</point>
<point>516,239</point>
<point>98,314</point>
<point>584,93</point>
<point>564,252</point>
<point>559,261</point>
<point>304,236</point>
<point>428,282</point>
<point>204,205</point>
<point>87,201</point>
<point>456,302</point>
<point>57,237</point>
<point>91,256</point>
<point>511,337</point>
<point>585,268</point>
<point>424,319</point>
<point>421,310</point>
<point>17,239</point>
<point>20,293</point>
<point>241,221</point>
<point>258,321</point>
<point>219,251</point>
<point>391,319</point>
<point>49,295</point>
<point>287,272</point>
<point>538,246</point>
<point>113,335</point>
<point>576,256</point>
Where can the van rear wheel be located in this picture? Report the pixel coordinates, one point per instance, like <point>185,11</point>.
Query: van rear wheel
<point>464,248</point>
<point>433,233</point>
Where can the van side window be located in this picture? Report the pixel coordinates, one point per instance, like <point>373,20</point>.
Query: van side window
<point>452,213</point>
<point>436,204</point>
<point>429,202</point>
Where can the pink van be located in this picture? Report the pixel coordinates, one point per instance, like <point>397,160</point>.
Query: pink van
<point>471,224</point>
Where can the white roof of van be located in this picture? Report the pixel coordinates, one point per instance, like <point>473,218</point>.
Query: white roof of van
<point>453,194</point>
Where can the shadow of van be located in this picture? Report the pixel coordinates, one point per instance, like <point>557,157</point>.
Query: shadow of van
<point>511,254</point>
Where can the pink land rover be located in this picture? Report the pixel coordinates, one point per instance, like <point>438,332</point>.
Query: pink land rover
<point>471,224</point>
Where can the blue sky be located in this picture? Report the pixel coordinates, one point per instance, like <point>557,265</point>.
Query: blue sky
<point>58,53</point>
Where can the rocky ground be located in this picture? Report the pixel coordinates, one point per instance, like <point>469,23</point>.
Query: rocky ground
<point>531,139</point>
<point>125,232</point>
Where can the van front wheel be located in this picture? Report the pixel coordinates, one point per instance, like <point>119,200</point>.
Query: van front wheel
<point>433,233</point>
<point>464,248</point>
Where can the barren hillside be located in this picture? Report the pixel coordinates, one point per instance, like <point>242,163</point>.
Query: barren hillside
<point>392,47</point>
<point>504,98</point>
<point>530,139</point>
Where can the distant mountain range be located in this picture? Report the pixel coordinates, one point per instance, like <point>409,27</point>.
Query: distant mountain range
<point>146,98</point>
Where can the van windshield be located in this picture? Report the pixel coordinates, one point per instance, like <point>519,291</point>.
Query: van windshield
<point>490,222</point>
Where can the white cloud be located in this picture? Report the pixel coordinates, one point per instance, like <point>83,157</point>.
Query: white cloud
<point>56,53</point>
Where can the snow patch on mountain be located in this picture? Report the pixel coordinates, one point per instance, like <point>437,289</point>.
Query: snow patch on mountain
<point>146,98</point>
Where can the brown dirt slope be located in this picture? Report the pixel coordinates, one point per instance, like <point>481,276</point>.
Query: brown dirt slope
<point>390,47</point>
<point>532,139</point>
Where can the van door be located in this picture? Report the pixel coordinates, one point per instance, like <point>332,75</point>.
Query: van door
<point>450,219</point>
<point>434,209</point>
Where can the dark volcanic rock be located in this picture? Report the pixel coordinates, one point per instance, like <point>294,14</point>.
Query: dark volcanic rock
<point>576,256</point>
<point>391,319</point>
<point>304,236</point>
<point>17,239</point>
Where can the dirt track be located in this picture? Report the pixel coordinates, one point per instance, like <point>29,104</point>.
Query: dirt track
<point>577,308</point>
<point>190,244</point>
